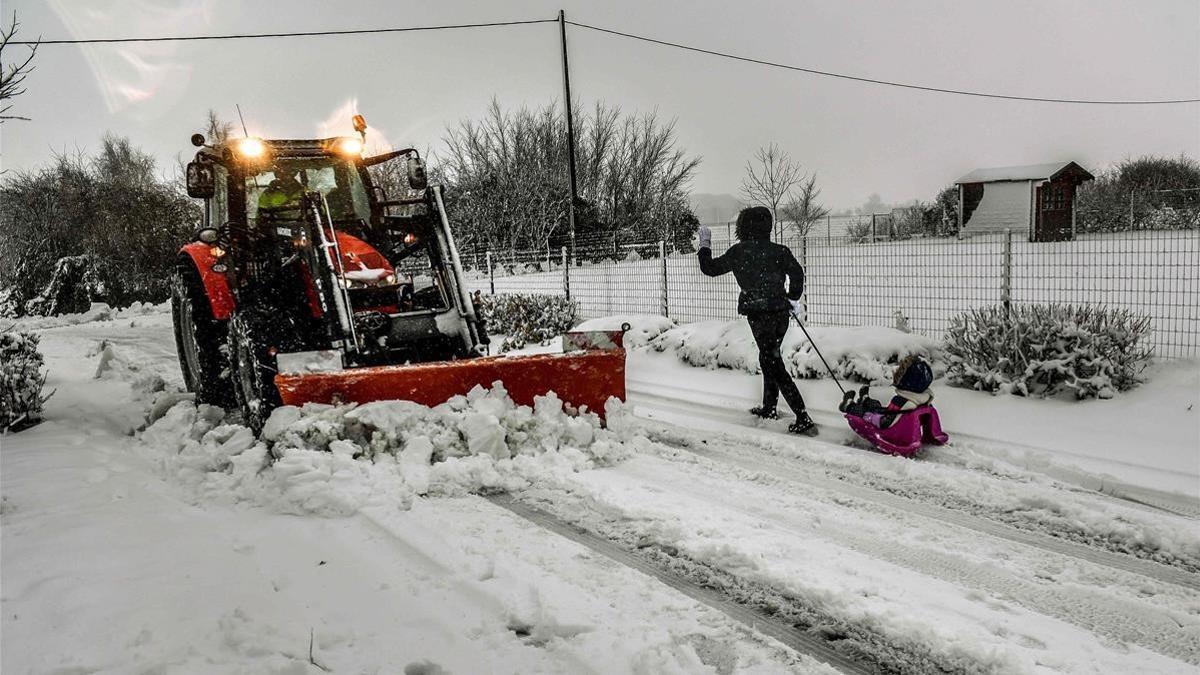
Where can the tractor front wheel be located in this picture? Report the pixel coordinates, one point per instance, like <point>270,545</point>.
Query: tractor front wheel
<point>253,335</point>
<point>199,339</point>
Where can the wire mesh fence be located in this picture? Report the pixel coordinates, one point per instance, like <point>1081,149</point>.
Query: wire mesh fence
<point>919,283</point>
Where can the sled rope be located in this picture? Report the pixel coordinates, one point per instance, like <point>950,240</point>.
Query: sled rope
<point>818,351</point>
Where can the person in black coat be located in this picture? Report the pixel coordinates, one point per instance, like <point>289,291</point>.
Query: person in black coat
<point>761,268</point>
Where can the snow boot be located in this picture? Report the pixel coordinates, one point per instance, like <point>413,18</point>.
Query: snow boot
<point>803,425</point>
<point>847,399</point>
<point>764,413</point>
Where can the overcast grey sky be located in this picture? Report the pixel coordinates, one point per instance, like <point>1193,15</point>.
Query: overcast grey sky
<point>859,138</point>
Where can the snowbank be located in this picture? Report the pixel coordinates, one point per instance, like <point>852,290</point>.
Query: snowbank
<point>99,311</point>
<point>860,353</point>
<point>642,327</point>
<point>336,460</point>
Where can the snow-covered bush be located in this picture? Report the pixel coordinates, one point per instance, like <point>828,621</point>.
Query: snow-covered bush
<point>859,231</point>
<point>527,318</point>
<point>11,305</point>
<point>21,380</point>
<point>860,353</point>
<point>72,287</point>
<point>1167,218</point>
<point>1041,350</point>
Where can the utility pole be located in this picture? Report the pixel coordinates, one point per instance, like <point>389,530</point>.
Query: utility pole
<point>562,31</point>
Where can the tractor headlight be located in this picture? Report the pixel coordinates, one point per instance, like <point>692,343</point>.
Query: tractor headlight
<point>217,252</point>
<point>349,146</point>
<point>389,280</point>
<point>251,148</point>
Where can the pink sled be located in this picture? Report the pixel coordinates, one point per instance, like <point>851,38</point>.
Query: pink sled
<point>906,434</point>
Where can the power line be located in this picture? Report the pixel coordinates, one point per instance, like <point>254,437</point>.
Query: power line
<point>665,43</point>
<point>249,36</point>
<point>869,80</point>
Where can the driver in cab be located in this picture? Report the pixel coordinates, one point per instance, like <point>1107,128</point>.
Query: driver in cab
<point>282,194</point>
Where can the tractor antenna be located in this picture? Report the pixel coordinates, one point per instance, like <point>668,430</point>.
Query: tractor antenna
<point>243,119</point>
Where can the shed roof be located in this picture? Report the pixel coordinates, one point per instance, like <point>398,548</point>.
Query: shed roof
<point>1030,172</point>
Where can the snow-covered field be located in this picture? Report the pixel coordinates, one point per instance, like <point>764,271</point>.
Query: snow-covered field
<point>370,543</point>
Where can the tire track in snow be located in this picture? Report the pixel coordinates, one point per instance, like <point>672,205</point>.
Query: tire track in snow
<point>818,646</point>
<point>780,468</point>
<point>1112,617</point>
<point>1154,500</point>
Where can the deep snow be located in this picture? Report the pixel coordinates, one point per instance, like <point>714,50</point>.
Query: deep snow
<point>139,553</point>
<point>179,548</point>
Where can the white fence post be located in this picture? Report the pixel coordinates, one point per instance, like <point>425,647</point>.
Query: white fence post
<point>491,274</point>
<point>804,264</point>
<point>566,274</point>
<point>1006,272</point>
<point>662,257</point>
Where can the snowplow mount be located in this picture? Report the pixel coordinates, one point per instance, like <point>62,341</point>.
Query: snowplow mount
<point>590,370</point>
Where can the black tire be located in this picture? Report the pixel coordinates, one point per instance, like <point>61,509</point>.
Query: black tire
<point>252,334</point>
<point>199,340</point>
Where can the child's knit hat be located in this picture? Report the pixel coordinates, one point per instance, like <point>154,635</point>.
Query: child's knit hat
<point>913,374</point>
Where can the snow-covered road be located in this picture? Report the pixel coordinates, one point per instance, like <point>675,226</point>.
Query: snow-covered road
<point>964,562</point>
<point>107,567</point>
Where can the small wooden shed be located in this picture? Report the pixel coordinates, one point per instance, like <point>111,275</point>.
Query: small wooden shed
<point>1038,200</point>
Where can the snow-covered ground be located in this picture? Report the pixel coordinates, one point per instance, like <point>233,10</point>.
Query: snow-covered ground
<point>177,548</point>
<point>119,557</point>
<point>1148,437</point>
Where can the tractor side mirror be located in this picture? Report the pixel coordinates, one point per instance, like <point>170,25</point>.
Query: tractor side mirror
<point>201,180</point>
<point>416,174</point>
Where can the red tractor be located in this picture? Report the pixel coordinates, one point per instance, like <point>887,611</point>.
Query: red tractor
<point>306,282</point>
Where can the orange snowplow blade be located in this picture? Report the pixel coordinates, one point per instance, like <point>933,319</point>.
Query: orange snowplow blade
<point>580,378</point>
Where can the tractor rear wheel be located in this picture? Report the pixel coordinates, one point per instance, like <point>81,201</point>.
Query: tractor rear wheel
<point>254,336</point>
<point>199,339</point>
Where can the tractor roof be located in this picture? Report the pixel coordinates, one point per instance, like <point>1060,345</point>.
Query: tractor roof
<point>235,149</point>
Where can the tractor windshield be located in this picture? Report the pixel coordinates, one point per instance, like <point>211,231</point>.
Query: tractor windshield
<point>275,193</point>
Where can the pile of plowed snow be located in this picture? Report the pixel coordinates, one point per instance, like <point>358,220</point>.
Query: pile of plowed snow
<point>335,460</point>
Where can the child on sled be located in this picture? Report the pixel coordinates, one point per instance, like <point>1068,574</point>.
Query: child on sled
<point>911,381</point>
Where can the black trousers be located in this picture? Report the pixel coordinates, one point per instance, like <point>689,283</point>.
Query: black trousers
<point>768,330</point>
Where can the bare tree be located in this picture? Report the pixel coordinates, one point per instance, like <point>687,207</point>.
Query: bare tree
<point>770,177</point>
<point>217,130</point>
<point>509,190</point>
<point>13,74</point>
<point>802,210</point>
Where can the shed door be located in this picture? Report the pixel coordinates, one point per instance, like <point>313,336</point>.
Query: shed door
<point>1054,212</point>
